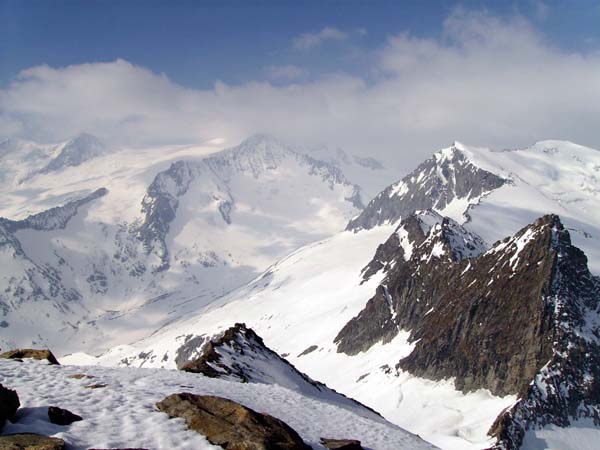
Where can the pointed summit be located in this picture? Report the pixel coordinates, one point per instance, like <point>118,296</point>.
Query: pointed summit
<point>77,151</point>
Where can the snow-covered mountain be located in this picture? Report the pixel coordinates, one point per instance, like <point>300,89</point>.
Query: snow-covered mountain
<point>105,247</point>
<point>495,193</point>
<point>416,314</point>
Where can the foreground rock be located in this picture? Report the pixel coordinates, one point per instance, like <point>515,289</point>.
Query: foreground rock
<point>31,353</point>
<point>61,416</point>
<point>9,403</point>
<point>231,425</point>
<point>30,441</point>
<point>341,444</point>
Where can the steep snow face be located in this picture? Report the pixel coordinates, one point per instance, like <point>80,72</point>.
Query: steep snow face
<point>131,394</point>
<point>298,307</point>
<point>495,192</point>
<point>162,232</point>
<point>75,152</point>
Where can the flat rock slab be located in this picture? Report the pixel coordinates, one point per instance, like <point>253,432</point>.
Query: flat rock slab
<point>9,403</point>
<point>30,441</point>
<point>21,353</point>
<point>61,416</point>
<point>341,444</point>
<point>231,425</point>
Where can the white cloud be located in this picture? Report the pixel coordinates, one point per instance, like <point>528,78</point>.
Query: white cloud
<point>309,40</point>
<point>486,81</point>
<point>287,72</point>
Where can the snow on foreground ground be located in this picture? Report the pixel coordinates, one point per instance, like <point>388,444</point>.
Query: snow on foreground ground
<point>123,414</point>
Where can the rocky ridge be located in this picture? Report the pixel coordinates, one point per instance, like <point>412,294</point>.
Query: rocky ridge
<point>520,318</point>
<point>441,180</point>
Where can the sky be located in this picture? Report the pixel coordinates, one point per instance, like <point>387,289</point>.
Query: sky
<point>390,79</point>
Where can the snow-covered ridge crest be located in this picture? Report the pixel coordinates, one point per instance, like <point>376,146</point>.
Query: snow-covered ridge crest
<point>427,234</point>
<point>76,151</point>
<point>53,218</point>
<point>448,182</point>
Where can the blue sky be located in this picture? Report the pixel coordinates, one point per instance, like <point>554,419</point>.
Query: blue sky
<point>198,42</point>
<point>390,79</point>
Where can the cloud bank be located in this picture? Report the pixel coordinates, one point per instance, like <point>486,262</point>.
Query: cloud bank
<point>485,81</point>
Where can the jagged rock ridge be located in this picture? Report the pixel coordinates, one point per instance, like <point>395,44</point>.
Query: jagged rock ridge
<point>445,178</point>
<point>521,318</point>
<point>239,354</point>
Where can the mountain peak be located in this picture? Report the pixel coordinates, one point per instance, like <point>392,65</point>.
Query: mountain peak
<point>76,151</point>
<point>262,142</point>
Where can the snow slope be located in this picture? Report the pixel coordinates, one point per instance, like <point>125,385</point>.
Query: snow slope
<point>302,302</point>
<point>176,228</point>
<point>122,414</point>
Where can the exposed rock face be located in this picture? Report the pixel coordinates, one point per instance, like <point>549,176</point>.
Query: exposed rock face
<point>9,403</point>
<point>422,246</point>
<point>30,441</point>
<point>61,416</point>
<point>231,425</point>
<point>239,354</point>
<point>31,353</point>
<point>437,182</point>
<point>341,444</point>
<point>53,218</point>
<point>521,318</point>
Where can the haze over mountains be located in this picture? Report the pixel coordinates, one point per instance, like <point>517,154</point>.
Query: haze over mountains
<point>460,302</point>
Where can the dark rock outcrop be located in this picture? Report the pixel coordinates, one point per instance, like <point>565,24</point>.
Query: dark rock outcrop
<point>421,249</point>
<point>31,353</point>
<point>30,441</point>
<point>341,444</point>
<point>53,218</point>
<point>61,416</point>
<point>232,355</point>
<point>522,319</point>
<point>231,425</point>
<point>9,403</point>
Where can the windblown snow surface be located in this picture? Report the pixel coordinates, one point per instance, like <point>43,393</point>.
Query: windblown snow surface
<point>123,414</point>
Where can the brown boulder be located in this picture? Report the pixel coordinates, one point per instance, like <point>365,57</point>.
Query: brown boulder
<point>341,444</point>
<point>80,376</point>
<point>61,416</point>
<point>30,353</point>
<point>231,425</point>
<point>9,403</point>
<point>30,441</point>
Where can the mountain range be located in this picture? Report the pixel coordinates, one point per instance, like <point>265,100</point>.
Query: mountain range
<point>460,303</point>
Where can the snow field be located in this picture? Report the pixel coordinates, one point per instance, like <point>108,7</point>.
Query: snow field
<point>122,414</point>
